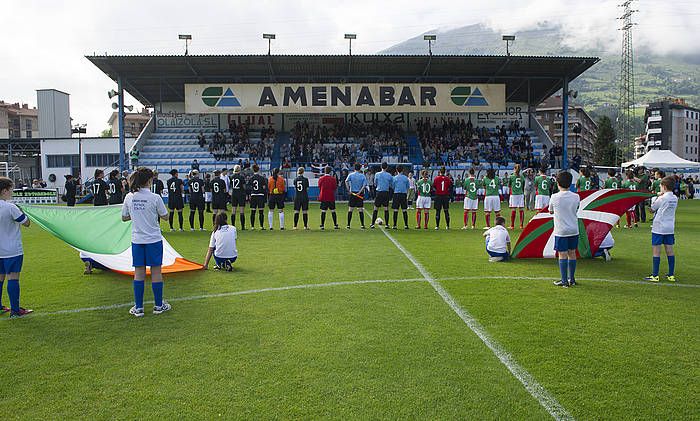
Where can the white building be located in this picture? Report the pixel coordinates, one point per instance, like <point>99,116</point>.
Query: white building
<point>673,125</point>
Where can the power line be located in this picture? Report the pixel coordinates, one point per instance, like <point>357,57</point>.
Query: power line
<point>625,109</point>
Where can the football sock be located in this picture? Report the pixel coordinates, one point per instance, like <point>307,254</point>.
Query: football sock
<point>349,217</point>
<point>261,218</point>
<point>671,264</point>
<point>233,219</point>
<point>437,219</point>
<point>208,207</point>
<point>405,218</point>
<point>447,218</point>
<point>243,220</point>
<point>170,219</point>
<point>488,219</point>
<point>138,293</point>
<point>474,218</point>
<point>426,217</point>
<point>629,219</point>
<point>466,217</point>
<point>252,219</point>
<point>281,217</point>
<point>386,217</point>
<point>157,292</point>
<point>655,263</point>
<point>1,285</point>
<point>564,270</point>
<point>374,217</point>
<point>191,218</point>
<point>572,270</point>
<point>418,218</point>
<point>179,219</point>
<point>13,293</point>
<point>323,219</point>
<point>296,219</point>
<point>306,219</point>
<point>512,218</point>
<point>522,217</point>
<point>362,218</point>
<point>201,218</point>
<point>335,219</point>
<point>396,216</point>
<point>269,218</point>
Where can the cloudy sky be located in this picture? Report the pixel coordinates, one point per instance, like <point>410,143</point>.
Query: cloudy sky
<point>45,41</point>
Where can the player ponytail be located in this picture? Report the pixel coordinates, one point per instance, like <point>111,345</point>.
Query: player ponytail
<point>220,220</point>
<point>491,173</point>
<point>516,168</point>
<point>140,179</point>
<point>275,174</point>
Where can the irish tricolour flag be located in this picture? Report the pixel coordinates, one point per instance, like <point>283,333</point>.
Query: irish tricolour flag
<point>598,213</point>
<point>99,234</point>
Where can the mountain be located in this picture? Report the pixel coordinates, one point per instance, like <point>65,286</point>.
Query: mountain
<point>656,76</point>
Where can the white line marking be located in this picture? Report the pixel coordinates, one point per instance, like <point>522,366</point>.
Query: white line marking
<point>546,399</point>
<point>544,278</point>
<point>226,294</point>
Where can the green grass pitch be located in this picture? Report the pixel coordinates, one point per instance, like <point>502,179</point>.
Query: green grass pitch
<point>606,349</point>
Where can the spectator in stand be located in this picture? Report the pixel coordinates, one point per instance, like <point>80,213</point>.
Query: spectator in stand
<point>195,165</point>
<point>201,139</point>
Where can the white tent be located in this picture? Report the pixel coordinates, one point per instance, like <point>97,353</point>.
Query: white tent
<point>661,159</point>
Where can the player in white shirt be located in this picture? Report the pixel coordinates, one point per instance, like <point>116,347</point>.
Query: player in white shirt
<point>663,229</point>
<point>605,246</point>
<point>564,207</point>
<point>498,241</point>
<point>143,208</point>
<point>222,244</point>
<point>11,252</point>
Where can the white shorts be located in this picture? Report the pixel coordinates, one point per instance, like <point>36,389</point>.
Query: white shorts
<point>423,202</point>
<point>480,192</point>
<point>471,204</point>
<point>541,201</point>
<point>459,190</point>
<point>505,190</point>
<point>516,201</point>
<point>492,204</point>
<point>207,196</point>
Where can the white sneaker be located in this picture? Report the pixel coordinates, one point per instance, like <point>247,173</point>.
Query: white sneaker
<point>495,259</point>
<point>606,254</point>
<point>465,227</point>
<point>162,309</point>
<point>136,312</point>
<point>191,229</point>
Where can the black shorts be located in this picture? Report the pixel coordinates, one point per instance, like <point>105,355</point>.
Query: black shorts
<point>328,206</point>
<point>257,201</point>
<point>276,201</point>
<point>238,200</point>
<point>175,202</point>
<point>219,203</point>
<point>442,202</point>
<point>355,202</point>
<point>399,201</point>
<point>197,204</point>
<point>382,199</point>
<point>301,203</point>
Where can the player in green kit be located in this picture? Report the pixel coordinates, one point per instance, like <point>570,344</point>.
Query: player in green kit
<point>492,200</point>
<point>424,187</point>
<point>612,182</point>
<point>656,184</point>
<point>631,184</point>
<point>543,184</point>
<point>516,200</point>
<point>471,199</point>
<point>584,181</point>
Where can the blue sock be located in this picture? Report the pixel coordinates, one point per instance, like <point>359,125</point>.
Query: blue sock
<point>1,285</point>
<point>13,292</point>
<point>656,261</point>
<point>564,269</point>
<point>572,270</point>
<point>671,264</point>
<point>138,293</point>
<point>157,292</point>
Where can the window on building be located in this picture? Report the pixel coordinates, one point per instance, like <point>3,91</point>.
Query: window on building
<point>101,160</point>
<point>28,124</point>
<point>63,161</point>
<point>28,134</point>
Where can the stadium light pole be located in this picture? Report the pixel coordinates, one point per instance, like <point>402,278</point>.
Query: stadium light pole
<point>187,38</point>
<point>430,38</point>
<point>350,37</point>
<point>269,38</point>
<point>508,39</point>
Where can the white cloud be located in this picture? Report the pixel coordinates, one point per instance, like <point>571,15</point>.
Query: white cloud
<point>47,40</point>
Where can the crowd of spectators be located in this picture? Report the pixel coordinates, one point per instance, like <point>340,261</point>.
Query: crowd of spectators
<point>237,142</point>
<point>459,141</point>
<point>344,142</point>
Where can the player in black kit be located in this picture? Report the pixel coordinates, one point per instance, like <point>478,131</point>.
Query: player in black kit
<point>219,195</point>
<point>157,187</point>
<point>258,188</point>
<point>238,193</point>
<point>301,198</point>
<point>196,199</point>
<point>116,193</point>
<point>99,189</point>
<point>175,201</point>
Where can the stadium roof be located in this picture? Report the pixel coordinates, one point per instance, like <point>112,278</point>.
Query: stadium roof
<point>153,79</point>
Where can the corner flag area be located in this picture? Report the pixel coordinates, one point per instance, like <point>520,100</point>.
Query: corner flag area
<point>348,324</point>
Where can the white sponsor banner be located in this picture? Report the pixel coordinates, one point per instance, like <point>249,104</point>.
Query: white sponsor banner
<point>345,98</point>
<point>514,111</point>
<point>254,121</point>
<point>334,119</point>
<point>182,120</point>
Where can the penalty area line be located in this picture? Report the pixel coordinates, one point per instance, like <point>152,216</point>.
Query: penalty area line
<point>536,390</point>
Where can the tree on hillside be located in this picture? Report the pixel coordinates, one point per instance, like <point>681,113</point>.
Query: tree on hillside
<point>604,145</point>
<point>106,132</point>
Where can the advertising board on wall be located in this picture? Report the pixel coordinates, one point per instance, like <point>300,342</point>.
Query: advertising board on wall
<point>184,120</point>
<point>343,98</point>
<point>513,112</point>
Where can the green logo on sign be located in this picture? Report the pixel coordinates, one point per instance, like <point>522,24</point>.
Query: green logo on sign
<point>214,96</point>
<point>463,96</point>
